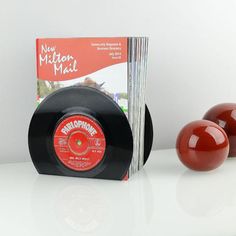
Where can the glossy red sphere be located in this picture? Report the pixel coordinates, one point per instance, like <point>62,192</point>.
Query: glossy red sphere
<point>202,145</point>
<point>225,116</point>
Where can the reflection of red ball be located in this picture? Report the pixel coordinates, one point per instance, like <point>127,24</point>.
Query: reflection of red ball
<point>225,116</point>
<point>202,145</point>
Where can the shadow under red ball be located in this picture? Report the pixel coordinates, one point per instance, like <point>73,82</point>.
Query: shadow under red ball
<point>202,145</point>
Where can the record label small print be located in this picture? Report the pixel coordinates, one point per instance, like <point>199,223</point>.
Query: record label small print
<point>79,142</point>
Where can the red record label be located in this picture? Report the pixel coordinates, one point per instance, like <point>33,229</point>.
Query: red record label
<point>79,142</point>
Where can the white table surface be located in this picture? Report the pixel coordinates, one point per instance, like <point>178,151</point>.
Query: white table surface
<point>163,199</point>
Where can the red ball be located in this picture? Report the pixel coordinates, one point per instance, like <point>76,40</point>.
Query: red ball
<point>202,145</point>
<point>225,116</point>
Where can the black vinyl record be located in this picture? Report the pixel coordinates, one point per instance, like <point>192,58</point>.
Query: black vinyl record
<point>148,135</point>
<point>74,122</point>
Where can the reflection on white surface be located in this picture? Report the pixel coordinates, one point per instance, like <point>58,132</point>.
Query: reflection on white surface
<point>206,194</point>
<point>90,207</point>
<point>164,199</point>
<point>81,208</point>
<point>196,197</point>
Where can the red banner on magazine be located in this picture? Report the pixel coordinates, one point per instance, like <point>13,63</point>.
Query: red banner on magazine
<point>64,59</point>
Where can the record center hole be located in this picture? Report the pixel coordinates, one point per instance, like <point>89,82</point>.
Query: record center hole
<point>79,142</point>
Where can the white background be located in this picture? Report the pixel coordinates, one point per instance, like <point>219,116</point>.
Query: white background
<point>192,59</point>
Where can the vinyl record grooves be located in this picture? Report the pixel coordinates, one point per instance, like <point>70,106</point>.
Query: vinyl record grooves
<point>74,122</point>
<point>148,135</point>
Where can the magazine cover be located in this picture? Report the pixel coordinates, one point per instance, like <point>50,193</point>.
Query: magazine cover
<point>100,63</point>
